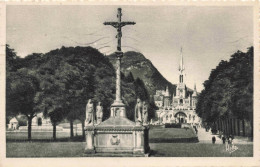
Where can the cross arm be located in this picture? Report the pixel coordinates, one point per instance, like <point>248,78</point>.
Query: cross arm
<point>127,23</point>
<point>114,24</point>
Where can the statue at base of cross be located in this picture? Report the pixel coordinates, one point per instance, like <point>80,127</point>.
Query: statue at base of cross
<point>99,113</point>
<point>89,113</point>
<point>138,112</point>
<point>145,113</point>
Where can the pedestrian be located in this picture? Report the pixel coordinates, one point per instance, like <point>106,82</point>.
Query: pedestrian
<point>230,141</point>
<point>223,139</point>
<point>213,140</point>
<point>227,146</point>
<point>195,129</point>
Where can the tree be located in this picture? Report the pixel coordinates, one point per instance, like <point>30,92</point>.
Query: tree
<point>71,76</point>
<point>22,89</point>
<point>229,90</point>
<point>129,98</point>
<point>140,90</point>
<point>68,77</point>
<point>151,110</point>
<point>13,62</point>
<point>130,77</point>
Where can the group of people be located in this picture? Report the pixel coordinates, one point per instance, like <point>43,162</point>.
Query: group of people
<point>90,113</point>
<point>229,142</point>
<point>141,112</point>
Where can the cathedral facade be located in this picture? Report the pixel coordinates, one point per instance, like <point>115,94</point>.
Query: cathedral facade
<point>179,107</point>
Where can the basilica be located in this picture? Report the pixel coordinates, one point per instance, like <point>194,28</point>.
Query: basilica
<point>180,106</point>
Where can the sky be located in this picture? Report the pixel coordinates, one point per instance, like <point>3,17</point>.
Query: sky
<point>206,35</point>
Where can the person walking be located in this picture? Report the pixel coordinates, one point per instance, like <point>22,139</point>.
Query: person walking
<point>229,143</point>
<point>196,130</point>
<point>213,140</point>
<point>227,146</point>
<point>223,139</point>
<point>230,139</point>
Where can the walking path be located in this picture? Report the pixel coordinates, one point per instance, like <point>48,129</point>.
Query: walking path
<point>206,137</point>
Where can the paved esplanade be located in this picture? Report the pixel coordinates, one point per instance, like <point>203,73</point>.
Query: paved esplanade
<point>206,137</point>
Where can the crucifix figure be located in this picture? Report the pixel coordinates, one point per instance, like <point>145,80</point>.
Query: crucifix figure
<point>118,25</point>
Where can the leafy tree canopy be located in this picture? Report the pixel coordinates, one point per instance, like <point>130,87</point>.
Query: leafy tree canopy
<point>229,90</point>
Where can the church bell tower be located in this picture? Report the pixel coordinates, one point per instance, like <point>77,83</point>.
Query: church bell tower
<point>181,87</point>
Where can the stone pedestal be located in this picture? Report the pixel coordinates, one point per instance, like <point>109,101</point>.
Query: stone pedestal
<point>90,141</point>
<point>117,136</point>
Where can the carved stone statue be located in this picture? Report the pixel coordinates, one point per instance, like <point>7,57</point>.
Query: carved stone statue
<point>117,112</point>
<point>112,114</point>
<point>99,113</point>
<point>122,112</point>
<point>145,113</point>
<point>89,112</point>
<point>138,111</point>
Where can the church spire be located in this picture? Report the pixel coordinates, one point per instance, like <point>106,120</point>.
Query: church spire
<point>181,65</point>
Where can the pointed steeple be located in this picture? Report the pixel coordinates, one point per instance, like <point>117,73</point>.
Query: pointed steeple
<point>194,91</point>
<point>181,68</point>
<point>181,65</point>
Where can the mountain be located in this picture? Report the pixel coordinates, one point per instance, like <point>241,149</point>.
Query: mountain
<point>143,68</point>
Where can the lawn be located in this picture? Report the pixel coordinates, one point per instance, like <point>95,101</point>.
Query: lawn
<point>156,134</point>
<point>164,142</point>
<point>12,136</point>
<point>159,134</point>
<point>198,150</point>
<point>76,149</point>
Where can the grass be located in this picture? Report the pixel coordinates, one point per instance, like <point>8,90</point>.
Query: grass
<point>159,134</point>
<point>156,134</point>
<point>158,143</point>
<point>37,149</point>
<point>76,149</point>
<point>198,150</point>
<point>35,135</point>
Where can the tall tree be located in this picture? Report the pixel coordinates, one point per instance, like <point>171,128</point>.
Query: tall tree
<point>229,90</point>
<point>140,90</point>
<point>22,92</point>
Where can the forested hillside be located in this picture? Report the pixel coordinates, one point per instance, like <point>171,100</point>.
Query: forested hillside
<point>142,68</point>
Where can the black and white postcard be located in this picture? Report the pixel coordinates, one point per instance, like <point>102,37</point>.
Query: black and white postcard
<point>95,83</point>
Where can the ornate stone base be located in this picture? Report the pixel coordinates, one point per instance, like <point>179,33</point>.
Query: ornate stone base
<point>117,136</point>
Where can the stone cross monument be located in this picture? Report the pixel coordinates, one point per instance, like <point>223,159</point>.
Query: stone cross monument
<point>118,25</point>
<point>117,136</point>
